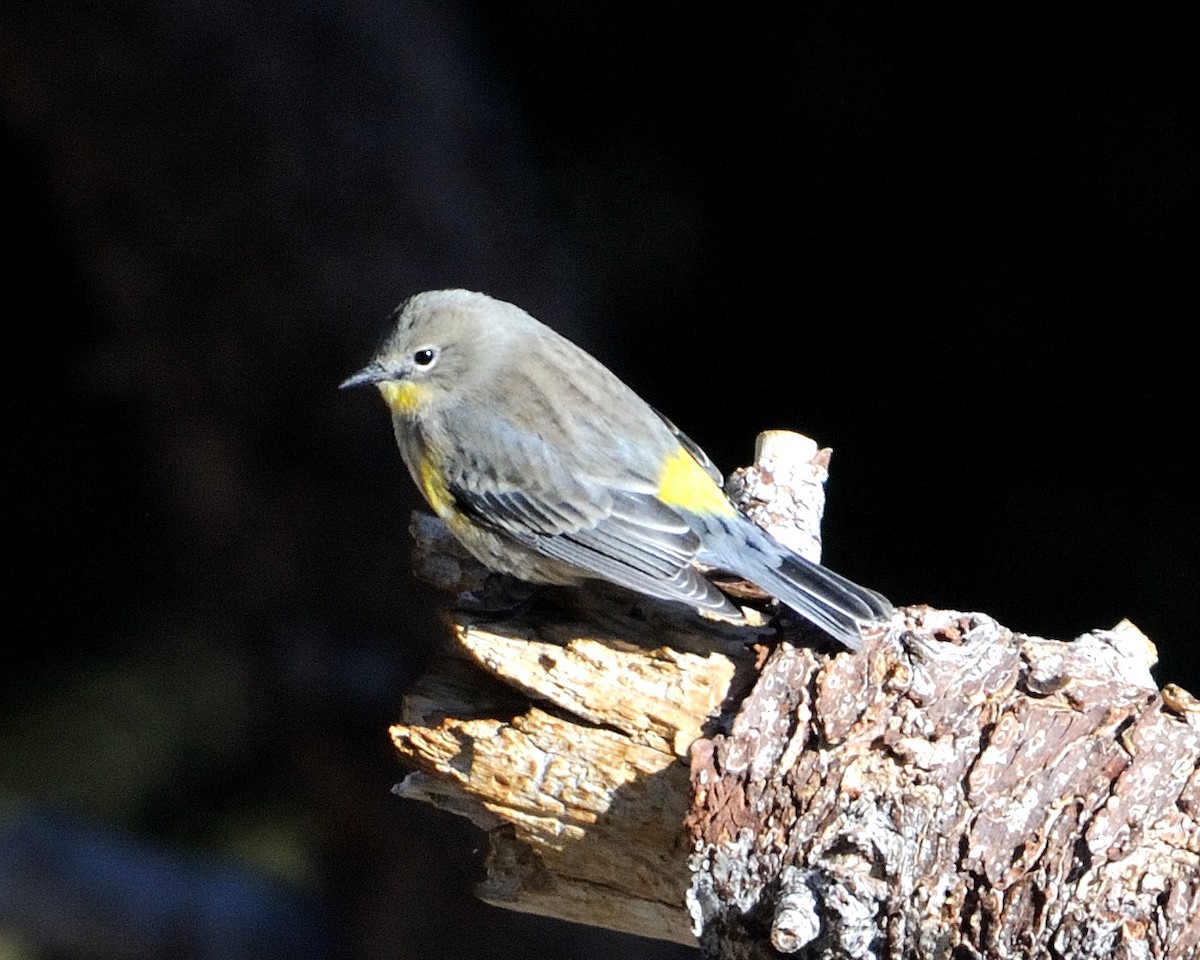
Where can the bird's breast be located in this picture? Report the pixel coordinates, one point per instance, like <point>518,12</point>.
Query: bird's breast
<point>427,466</point>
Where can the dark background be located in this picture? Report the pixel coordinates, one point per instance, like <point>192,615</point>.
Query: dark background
<point>960,251</point>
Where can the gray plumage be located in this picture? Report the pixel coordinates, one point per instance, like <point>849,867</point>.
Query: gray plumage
<point>547,467</point>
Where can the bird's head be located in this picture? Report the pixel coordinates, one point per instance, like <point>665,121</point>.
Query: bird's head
<point>443,340</point>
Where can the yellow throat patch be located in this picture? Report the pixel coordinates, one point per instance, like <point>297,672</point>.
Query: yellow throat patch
<point>401,396</point>
<point>683,483</point>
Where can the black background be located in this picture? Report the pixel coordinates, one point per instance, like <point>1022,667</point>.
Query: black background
<point>960,250</point>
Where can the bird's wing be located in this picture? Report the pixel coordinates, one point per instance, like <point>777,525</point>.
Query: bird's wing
<point>618,532</point>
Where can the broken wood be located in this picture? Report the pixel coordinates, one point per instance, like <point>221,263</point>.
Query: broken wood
<point>955,789</point>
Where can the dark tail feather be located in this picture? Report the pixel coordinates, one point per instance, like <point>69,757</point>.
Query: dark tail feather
<point>835,604</point>
<point>797,569</point>
<point>829,600</point>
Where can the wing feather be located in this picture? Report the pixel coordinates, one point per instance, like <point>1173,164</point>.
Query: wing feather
<point>627,537</point>
<point>589,499</point>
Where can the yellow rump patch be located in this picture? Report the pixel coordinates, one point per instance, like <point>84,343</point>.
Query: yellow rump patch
<point>683,483</point>
<point>401,396</point>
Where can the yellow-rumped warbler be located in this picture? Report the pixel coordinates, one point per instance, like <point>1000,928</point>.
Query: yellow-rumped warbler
<point>547,467</point>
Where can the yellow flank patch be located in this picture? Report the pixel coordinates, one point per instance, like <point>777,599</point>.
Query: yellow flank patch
<point>401,396</point>
<point>685,484</point>
<point>434,487</point>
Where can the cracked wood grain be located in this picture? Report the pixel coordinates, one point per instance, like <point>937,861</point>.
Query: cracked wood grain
<point>954,790</point>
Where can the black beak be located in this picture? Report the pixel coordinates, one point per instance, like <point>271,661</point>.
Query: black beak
<point>373,372</point>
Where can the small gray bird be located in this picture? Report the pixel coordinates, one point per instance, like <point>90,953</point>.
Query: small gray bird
<point>547,467</point>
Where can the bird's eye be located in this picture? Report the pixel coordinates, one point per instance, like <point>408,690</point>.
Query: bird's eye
<point>423,358</point>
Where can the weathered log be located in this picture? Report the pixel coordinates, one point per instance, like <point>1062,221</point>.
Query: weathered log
<point>955,789</point>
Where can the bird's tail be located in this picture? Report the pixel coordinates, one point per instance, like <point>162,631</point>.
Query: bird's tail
<point>835,604</point>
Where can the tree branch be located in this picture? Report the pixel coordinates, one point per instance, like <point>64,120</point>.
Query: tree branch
<point>953,789</point>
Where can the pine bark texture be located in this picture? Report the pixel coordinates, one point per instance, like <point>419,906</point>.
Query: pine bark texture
<point>953,790</point>
<point>956,790</point>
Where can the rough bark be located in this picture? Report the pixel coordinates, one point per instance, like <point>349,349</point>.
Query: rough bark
<point>954,790</point>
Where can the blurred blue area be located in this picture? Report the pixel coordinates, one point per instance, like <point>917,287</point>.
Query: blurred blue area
<point>74,886</point>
